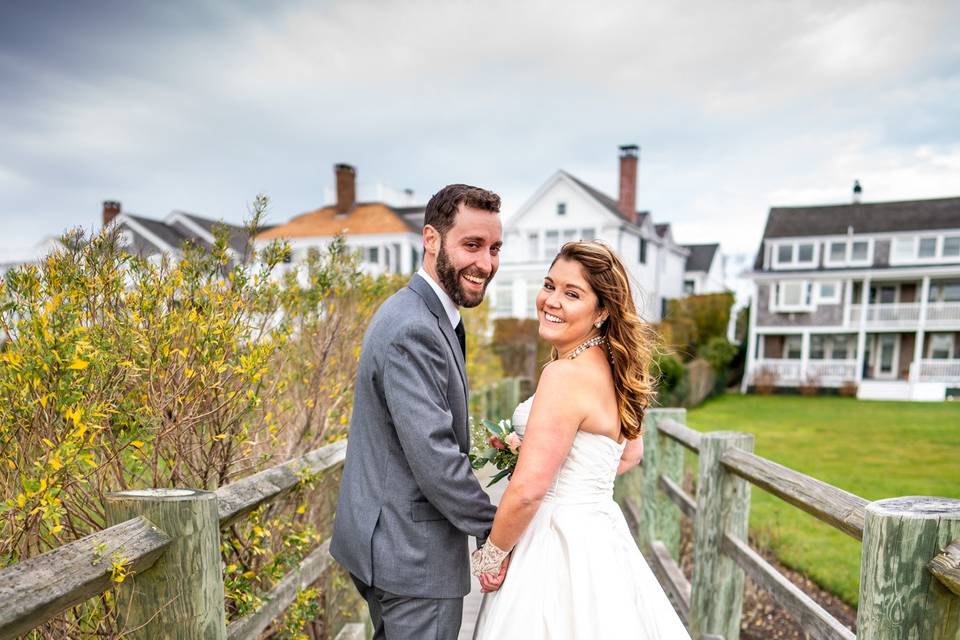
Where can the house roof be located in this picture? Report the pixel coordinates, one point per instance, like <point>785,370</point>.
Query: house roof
<point>701,256</point>
<point>161,229</point>
<point>237,235</point>
<point>606,200</point>
<point>872,217</point>
<point>364,218</point>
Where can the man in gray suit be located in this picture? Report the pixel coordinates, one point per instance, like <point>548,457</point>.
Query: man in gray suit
<point>408,496</point>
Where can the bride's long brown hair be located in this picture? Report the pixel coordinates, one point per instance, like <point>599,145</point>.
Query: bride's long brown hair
<point>629,338</point>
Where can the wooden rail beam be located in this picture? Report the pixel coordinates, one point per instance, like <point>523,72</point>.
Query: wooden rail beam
<point>836,507</point>
<point>681,433</point>
<point>946,567</point>
<point>37,589</point>
<point>679,497</point>
<point>671,578</point>
<point>239,498</point>
<point>812,618</point>
<point>282,595</point>
<point>353,631</point>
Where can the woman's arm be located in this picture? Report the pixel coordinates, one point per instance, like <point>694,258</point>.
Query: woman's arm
<point>554,419</point>
<point>632,455</point>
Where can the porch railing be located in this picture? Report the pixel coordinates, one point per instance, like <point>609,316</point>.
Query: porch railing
<point>906,314</point>
<point>940,370</point>
<point>791,371</point>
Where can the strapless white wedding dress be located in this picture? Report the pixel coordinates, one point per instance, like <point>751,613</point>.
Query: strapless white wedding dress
<point>576,572</point>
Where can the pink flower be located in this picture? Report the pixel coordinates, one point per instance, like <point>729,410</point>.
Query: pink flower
<point>513,441</point>
<point>497,443</point>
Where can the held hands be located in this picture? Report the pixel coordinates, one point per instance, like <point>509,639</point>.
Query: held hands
<point>490,582</point>
<point>490,563</point>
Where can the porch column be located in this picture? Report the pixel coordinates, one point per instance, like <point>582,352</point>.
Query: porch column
<point>847,301</point>
<point>804,355</point>
<point>752,339</point>
<point>921,330</point>
<point>862,331</point>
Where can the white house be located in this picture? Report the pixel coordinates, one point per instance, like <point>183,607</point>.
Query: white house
<point>565,208</point>
<point>860,293</point>
<point>704,270</point>
<point>386,235</point>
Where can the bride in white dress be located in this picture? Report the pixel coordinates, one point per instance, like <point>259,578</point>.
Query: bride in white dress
<point>573,571</point>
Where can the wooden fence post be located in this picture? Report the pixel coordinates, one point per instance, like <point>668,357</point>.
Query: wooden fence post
<point>661,456</point>
<point>899,597</point>
<point>723,506</point>
<point>181,596</point>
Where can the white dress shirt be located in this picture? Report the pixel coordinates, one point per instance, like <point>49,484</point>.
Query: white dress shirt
<point>453,311</point>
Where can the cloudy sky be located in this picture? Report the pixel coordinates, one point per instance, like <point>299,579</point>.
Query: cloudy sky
<point>200,105</point>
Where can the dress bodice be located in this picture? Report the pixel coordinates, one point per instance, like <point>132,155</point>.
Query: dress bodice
<point>588,473</point>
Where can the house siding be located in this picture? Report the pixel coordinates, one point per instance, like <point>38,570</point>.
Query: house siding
<point>824,315</point>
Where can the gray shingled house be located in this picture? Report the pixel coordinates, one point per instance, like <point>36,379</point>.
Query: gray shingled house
<point>860,293</point>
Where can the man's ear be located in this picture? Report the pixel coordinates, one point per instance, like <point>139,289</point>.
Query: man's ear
<point>431,240</point>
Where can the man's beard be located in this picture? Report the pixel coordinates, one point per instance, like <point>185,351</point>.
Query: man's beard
<point>450,280</point>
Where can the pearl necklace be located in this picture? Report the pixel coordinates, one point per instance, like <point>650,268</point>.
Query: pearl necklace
<point>592,342</point>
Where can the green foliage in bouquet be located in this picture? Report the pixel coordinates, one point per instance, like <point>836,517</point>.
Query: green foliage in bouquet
<point>502,450</point>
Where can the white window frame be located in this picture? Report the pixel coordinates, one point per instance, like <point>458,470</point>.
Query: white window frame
<point>943,245</point>
<point>806,292</point>
<point>785,354</point>
<point>820,299</point>
<point>795,253</point>
<point>848,260</point>
<point>949,336</point>
<point>914,239</point>
<point>503,297</point>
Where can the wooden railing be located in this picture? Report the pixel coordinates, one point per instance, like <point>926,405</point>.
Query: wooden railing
<point>169,543</point>
<point>497,401</point>
<point>910,564</point>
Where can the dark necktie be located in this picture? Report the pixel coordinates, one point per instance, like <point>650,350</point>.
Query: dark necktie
<point>462,337</point>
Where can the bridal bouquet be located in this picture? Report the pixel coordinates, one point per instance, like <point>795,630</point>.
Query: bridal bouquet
<point>502,452</point>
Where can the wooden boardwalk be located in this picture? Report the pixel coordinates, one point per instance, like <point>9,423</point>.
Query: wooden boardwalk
<point>471,604</point>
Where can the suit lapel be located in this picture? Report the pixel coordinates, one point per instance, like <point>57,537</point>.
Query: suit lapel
<point>425,291</point>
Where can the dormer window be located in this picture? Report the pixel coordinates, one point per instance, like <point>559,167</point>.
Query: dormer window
<point>927,248</point>
<point>848,253</point>
<point>795,255</point>
<point>561,208</point>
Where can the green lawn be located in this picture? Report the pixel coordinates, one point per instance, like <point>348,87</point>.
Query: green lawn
<point>873,449</point>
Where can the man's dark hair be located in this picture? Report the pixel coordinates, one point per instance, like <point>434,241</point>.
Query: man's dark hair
<point>442,208</point>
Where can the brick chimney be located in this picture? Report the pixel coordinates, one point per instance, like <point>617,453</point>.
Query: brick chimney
<point>629,158</point>
<point>111,209</point>
<point>346,187</point>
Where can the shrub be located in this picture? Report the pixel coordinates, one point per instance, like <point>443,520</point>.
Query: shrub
<point>719,352</point>
<point>691,322</point>
<point>765,381</point>
<point>848,389</point>
<point>122,373</point>
<point>809,386</point>
<point>672,379</point>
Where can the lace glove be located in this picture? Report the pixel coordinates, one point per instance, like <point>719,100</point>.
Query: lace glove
<point>487,559</point>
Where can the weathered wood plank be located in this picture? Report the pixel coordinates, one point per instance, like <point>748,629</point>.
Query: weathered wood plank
<point>243,496</point>
<point>899,597</point>
<point>679,497</point>
<point>723,506</point>
<point>946,567</point>
<point>282,595</point>
<point>815,621</point>
<point>355,631</point>
<point>671,578</point>
<point>35,590</point>
<point>836,507</point>
<point>181,596</point>
<point>681,433</point>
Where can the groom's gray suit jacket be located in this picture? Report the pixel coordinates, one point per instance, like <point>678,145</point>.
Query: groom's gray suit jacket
<point>408,496</point>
